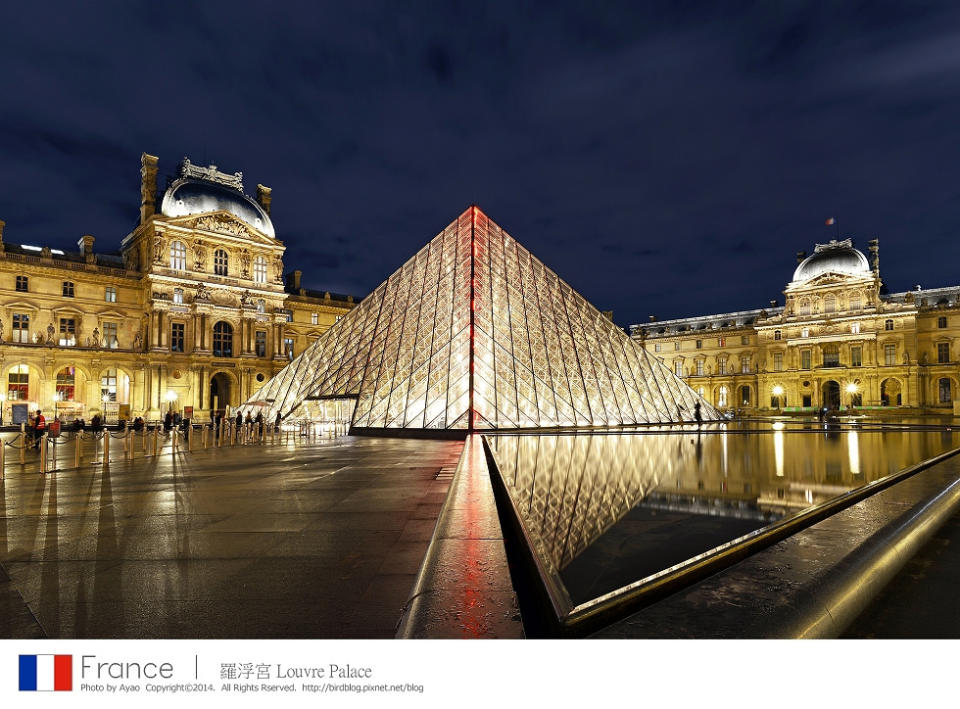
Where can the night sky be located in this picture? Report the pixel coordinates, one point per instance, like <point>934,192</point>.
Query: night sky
<point>664,158</point>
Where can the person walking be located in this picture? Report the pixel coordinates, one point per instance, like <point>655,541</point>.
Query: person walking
<point>39,425</point>
<point>276,424</point>
<point>697,415</point>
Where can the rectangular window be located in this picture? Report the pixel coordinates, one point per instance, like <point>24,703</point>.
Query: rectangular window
<point>805,332</point>
<point>889,354</point>
<point>856,357</point>
<point>805,359</point>
<point>943,352</point>
<point>777,334</point>
<point>699,367</point>
<point>18,383</point>
<point>721,366</point>
<point>110,294</point>
<point>778,361</point>
<point>721,341</point>
<point>676,346</point>
<point>22,283</point>
<point>110,336</point>
<point>699,344</point>
<point>68,332</point>
<point>656,347</point>
<point>178,296</point>
<point>745,339</point>
<point>176,336</point>
<point>21,327</point>
<point>831,358</point>
<point>314,318</point>
<point>288,314</point>
<point>261,343</point>
<point>941,322</point>
<point>678,368</point>
<point>68,289</point>
<point>288,347</point>
<point>745,365</point>
<point>855,328</point>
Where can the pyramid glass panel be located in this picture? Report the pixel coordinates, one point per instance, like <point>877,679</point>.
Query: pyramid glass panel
<point>476,333</point>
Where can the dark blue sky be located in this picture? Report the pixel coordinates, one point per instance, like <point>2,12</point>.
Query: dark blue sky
<point>666,158</point>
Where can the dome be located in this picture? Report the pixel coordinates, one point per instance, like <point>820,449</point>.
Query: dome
<point>835,257</point>
<point>192,196</point>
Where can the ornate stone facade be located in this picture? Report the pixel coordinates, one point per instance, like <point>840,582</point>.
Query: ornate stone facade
<point>194,311</point>
<point>839,339</point>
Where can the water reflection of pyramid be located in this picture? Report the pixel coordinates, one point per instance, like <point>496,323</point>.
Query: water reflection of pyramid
<point>475,333</point>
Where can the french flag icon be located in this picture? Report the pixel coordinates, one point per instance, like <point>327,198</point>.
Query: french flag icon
<point>46,673</point>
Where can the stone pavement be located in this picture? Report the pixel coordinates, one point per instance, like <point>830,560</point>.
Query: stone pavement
<point>314,540</point>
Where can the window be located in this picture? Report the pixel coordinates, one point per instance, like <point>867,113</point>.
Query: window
<point>722,397</point>
<point>678,368</point>
<point>288,314</point>
<point>721,366</point>
<point>68,332</point>
<point>889,354</point>
<point>745,339</point>
<point>943,352</point>
<point>721,342</point>
<point>66,381</point>
<point>805,332</point>
<point>699,367</point>
<point>777,334</point>
<point>223,339</point>
<point>699,344</point>
<point>854,301</point>
<point>805,359</point>
<point>68,289</point>
<point>178,256</point>
<point>21,327</point>
<point>176,336</point>
<point>260,270</point>
<point>18,383</point>
<point>856,357</point>
<point>830,304</point>
<point>261,306</point>
<point>261,343</point>
<point>831,357</point>
<point>315,320</point>
<point>110,294</point>
<point>656,345</point>
<point>22,284</point>
<point>745,365</point>
<point>778,361</point>
<point>108,385</point>
<point>676,345</point>
<point>288,347</point>
<point>855,328</point>
<point>804,307</point>
<point>110,340</point>
<point>888,325</point>
<point>945,393</point>
<point>941,322</point>
<point>178,296</point>
<point>220,263</point>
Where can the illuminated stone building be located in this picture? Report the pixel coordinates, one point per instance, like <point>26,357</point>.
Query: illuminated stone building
<point>839,340</point>
<point>192,312</point>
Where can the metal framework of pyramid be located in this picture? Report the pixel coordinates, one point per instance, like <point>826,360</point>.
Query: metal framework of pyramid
<point>476,333</point>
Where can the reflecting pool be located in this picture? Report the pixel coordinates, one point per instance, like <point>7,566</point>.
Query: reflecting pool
<point>603,510</point>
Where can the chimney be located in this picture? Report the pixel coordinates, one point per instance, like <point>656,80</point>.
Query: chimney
<point>800,256</point>
<point>293,280</point>
<point>652,318</point>
<point>86,247</point>
<point>264,197</point>
<point>148,186</point>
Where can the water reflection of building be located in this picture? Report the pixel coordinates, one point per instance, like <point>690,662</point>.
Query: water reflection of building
<point>192,311</point>
<point>839,339</point>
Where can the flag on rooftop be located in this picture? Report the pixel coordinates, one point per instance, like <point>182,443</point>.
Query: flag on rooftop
<point>831,221</point>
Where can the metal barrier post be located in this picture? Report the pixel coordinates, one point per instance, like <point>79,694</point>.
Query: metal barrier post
<point>106,446</point>
<point>190,437</point>
<point>143,440</point>
<point>76,450</point>
<point>203,436</point>
<point>3,455</point>
<point>43,452</point>
<point>53,463</point>
<point>156,440</point>
<point>23,443</point>
<point>173,440</point>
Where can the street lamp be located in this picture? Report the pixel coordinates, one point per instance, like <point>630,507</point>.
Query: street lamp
<point>171,397</point>
<point>852,390</point>
<point>778,392</point>
<point>57,397</point>
<point>3,399</point>
<point>106,400</point>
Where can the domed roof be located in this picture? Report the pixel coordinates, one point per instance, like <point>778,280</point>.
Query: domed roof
<point>199,190</point>
<point>835,257</point>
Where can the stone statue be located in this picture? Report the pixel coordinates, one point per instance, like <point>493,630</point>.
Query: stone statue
<point>203,293</point>
<point>244,264</point>
<point>278,268</point>
<point>199,256</point>
<point>906,355</point>
<point>1,330</point>
<point>51,331</point>
<point>245,298</point>
<point>138,340</point>
<point>157,251</point>
<point>96,336</point>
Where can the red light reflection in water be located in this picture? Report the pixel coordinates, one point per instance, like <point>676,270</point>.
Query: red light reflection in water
<point>472,609</point>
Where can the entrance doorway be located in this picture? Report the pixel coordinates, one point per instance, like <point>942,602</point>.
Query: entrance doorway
<point>831,395</point>
<point>219,394</point>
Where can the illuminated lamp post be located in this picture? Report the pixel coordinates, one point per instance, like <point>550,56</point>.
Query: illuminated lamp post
<point>57,398</point>
<point>852,390</point>
<point>171,397</point>
<point>106,400</point>
<point>3,400</point>
<point>778,392</point>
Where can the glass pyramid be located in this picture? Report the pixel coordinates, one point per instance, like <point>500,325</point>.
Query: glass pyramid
<point>476,333</point>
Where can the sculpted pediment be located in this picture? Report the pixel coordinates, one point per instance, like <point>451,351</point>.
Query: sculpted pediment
<point>225,223</point>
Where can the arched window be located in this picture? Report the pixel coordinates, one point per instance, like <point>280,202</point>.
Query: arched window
<point>108,385</point>
<point>66,382</point>
<point>945,394</point>
<point>888,325</point>
<point>178,256</point>
<point>222,339</point>
<point>18,383</point>
<point>804,307</point>
<point>220,262</point>
<point>260,270</point>
<point>830,304</point>
<point>722,397</point>
<point>854,301</point>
